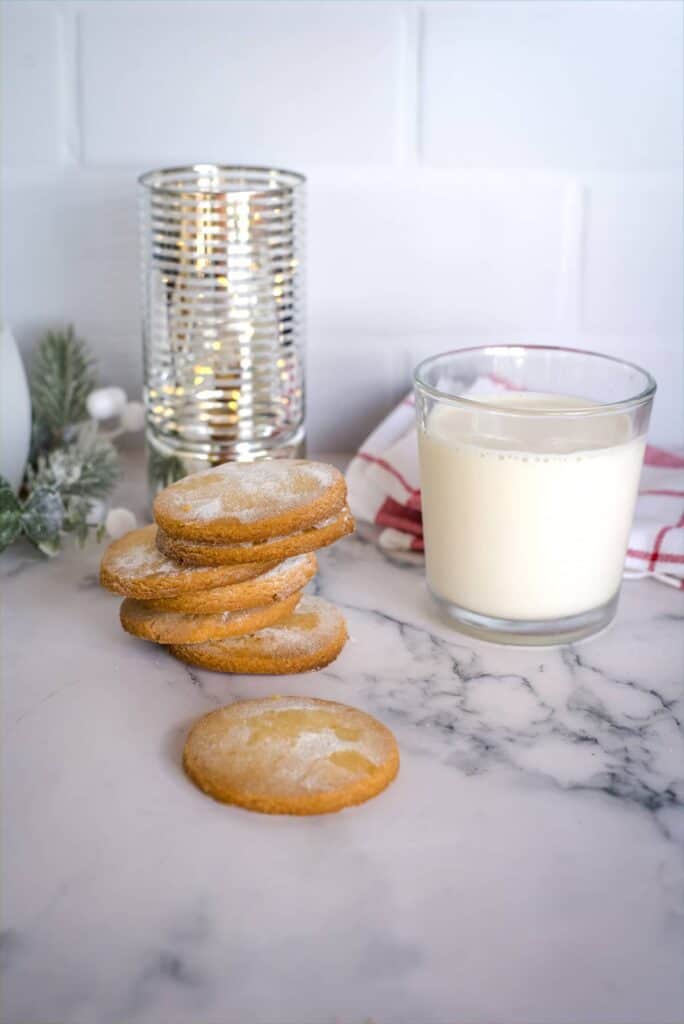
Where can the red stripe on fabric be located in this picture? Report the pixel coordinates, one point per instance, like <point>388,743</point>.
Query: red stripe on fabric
<point>660,537</point>
<point>417,544</point>
<point>661,457</point>
<point>395,508</point>
<point>415,502</point>
<point>662,557</point>
<point>664,493</point>
<point>384,464</point>
<point>397,523</point>
<point>399,517</point>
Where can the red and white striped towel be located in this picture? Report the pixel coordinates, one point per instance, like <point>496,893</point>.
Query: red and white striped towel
<point>384,489</point>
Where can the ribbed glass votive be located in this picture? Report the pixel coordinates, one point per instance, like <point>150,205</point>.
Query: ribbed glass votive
<point>223,317</point>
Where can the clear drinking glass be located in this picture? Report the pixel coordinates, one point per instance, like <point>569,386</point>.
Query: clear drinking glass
<point>223,330</point>
<point>529,460</point>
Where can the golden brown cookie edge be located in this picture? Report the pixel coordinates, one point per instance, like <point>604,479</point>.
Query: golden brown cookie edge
<point>191,578</point>
<point>202,553</point>
<point>232,530</point>
<point>307,804</point>
<point>251,593</point>
<point>245,664</point>
<point>252,620</point>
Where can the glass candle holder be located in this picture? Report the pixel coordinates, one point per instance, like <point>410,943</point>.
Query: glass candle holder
<point>223,331</point>
<point>529,460</point>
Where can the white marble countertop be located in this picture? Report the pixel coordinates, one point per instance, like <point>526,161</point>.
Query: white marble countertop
<point>525,868</point>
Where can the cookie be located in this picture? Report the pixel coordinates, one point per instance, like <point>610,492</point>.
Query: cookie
<point>195,552</point>
<point>250,501</point>
<point>310,637</point>
<point>290,755</point>
<point>182,628</point>
<point>135,567</point>
<point>270,586</point>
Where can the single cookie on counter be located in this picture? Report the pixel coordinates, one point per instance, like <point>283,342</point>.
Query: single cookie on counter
<point>142,621</point>
<point>273,585</point>
<point>290,755</point>
<point>254,501</point>
<point>310,637</point>
<point>195,552</point>
<point>133,566</point>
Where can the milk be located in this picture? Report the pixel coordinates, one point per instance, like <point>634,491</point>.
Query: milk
<point>534,526</point>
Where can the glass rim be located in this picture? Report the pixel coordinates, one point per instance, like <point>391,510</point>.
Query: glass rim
<point>296,179</point>
<point>594,410</point>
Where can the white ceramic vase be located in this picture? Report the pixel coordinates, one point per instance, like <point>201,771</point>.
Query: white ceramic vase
<point>15,411</point>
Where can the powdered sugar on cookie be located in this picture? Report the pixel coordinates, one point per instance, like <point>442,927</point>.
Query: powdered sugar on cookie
<point>309,627</point>
<point>143,559</point>
<point>312,623</point>
<point>260,490</point>
<point>287,744</point>
<point>243,501</point>
<point>135,567</point>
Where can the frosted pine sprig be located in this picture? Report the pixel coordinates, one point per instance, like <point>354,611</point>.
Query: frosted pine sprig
<point>61,378</point>
<point>73,465</point>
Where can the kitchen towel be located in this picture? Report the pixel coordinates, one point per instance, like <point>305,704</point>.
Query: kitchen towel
<point>384,489</point>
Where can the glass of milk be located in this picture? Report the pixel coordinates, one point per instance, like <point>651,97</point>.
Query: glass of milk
<point>529,461</point>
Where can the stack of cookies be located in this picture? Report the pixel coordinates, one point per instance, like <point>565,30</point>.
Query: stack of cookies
<point>219,577</point>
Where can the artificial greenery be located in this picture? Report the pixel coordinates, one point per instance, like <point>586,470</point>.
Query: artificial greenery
<point>163,470</point>
<point>70,467</point>
<point>62,376</point>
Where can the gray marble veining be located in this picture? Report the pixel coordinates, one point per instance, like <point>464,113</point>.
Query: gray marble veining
<point>527,867</point>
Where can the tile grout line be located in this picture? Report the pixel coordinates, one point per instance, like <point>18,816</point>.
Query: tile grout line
<point>72,134</point>
<point>569,303</point>
<point>420,48</point>
<point>407,142</point>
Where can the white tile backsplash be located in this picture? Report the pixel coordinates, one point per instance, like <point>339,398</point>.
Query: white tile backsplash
<point>81,266</point>
<point>634,247</point>
<point>411,253</point>
<point>31,126</point>
<point>561,84</point>
<point>282,83</point>
<point>477,172</point>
